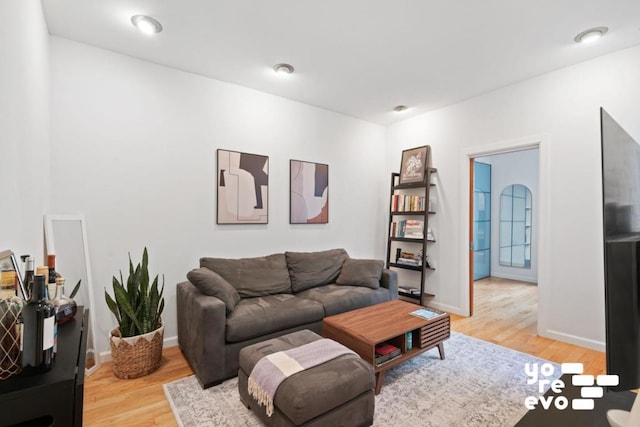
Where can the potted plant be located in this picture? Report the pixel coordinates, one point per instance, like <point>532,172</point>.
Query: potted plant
<point>136,343</point>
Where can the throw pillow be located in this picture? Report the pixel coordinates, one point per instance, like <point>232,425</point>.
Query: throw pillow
<point>310,269</point>
<point>361,272</point>
<point>210,283</point>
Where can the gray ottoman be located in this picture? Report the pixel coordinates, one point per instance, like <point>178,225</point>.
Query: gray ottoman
<point>336,393</point>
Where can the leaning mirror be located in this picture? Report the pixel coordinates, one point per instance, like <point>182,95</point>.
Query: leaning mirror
<point>66,237</point>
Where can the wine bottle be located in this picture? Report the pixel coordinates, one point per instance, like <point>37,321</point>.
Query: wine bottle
<point>53,274</point>
<point>10,326</point>
<point>43,270</point>
<point>28,275</point>
<point>39,322</point>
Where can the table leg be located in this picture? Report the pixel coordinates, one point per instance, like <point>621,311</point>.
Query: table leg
<point>441,350</point>
<point>379,379</point>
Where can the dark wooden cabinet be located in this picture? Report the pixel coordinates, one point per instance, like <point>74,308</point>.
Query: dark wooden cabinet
<point>54,397</point>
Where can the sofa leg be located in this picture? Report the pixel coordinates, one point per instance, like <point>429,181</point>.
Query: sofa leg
<point>215,383</point>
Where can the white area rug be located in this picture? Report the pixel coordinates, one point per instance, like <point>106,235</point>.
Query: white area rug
<point>478,384</point>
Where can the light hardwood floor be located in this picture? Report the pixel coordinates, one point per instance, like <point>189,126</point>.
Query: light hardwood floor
<point>505,314</point>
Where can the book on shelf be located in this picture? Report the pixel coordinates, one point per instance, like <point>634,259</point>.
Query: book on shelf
<point>407,203</point>
<point>426,313</point>
<point>409,290</point>
<point>385,352</point>
<point>408,228</point>
<point>409,258</point>
<point>398,228</point>
<point>414,229</point>
<point>408,261</point>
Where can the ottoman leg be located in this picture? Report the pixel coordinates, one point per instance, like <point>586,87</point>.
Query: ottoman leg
<point>244,403</point>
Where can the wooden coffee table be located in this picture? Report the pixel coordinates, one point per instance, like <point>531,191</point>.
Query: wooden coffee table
<point>390,322</point>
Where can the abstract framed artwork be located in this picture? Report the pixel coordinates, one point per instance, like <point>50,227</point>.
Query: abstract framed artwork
<point>309,193</point>
<point>414,165</point>
<point>243,188</point>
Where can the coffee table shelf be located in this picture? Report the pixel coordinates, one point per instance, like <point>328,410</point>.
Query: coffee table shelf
<point>361,330</point>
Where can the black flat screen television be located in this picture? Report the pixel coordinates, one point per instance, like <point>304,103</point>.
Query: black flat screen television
<point>621,216</point>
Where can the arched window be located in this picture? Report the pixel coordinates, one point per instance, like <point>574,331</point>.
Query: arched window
<point>515,226</point>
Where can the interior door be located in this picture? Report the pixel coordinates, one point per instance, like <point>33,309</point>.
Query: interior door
<point>481,220</point>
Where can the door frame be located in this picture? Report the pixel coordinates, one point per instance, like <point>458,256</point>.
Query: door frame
<point>466,213</point>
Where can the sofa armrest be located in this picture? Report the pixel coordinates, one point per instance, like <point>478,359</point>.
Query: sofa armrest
<point>389,280</point>
<point>201,333</point>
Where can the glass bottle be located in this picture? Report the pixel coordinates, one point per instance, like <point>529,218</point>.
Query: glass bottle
<point>10,326</point>
<point>39,322</point>
<point>66,308</point>
<point>53,275</point>
<point>43,270</point>
<point>28,275</point>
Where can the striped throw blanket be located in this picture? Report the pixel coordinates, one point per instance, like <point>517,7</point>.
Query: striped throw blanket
<point>272,370</point>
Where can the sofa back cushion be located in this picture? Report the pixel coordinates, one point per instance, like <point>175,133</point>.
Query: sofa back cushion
<point>253,277</point>
<point>311,269</point>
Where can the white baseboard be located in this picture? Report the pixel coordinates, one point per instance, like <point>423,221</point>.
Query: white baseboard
<point>438,306</point>
<point>447,308</point>
<point>514,277</point>
<point>576,340</point>
<point>105,356</point>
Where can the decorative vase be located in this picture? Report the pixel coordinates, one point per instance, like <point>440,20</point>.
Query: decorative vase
<point>136,356</point>
<point>10,327</point>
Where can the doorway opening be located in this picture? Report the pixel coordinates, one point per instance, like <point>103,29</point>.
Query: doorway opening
<point>503,230</point>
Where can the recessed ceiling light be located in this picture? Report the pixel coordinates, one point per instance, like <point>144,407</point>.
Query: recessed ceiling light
<point>146,24</point>
<point>590,35</point>
<point>283,69</point>
<point>400,108</point>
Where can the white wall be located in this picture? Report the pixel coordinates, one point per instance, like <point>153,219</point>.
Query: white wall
<point>24,126</point>
<point>134,148</point>
<point>560,111</point>
<point>518,167</point>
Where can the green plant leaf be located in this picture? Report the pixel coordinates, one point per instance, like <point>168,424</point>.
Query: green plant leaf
<point>76,289</point>
<point>144,274</point>
<point>156,322</point>
<point>112,305</point>
<point>124,304</point>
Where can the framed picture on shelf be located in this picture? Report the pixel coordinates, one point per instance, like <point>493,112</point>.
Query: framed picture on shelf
<point>413,167</point>
<point>8,263</point>
<point>308,193</point>
<point>243,188</point>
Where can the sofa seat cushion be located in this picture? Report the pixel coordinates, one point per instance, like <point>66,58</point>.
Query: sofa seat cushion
<point>337,299</point>
<point>253,277</point>
<point>311,269</point>
<point>255,317</point>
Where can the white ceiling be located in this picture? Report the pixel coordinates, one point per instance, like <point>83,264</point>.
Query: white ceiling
<point>356,57</point>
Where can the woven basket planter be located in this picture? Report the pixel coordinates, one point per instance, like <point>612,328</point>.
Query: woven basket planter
<point>137,356</point>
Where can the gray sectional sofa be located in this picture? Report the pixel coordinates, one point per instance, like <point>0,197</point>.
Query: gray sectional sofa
<point>228,304</point>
